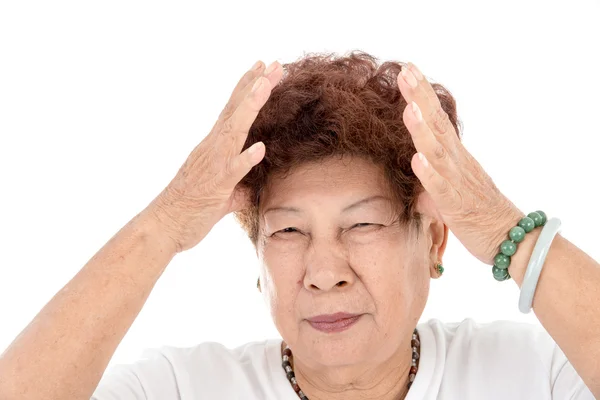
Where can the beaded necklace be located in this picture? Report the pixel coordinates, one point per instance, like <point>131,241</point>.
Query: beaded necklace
<point>289,371</point>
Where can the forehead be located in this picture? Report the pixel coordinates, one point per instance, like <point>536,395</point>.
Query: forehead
<point>334,176</point>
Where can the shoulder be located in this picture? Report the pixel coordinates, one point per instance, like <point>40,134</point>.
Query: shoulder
<point>519,351</point>
<point>210,350</point>
<point>499,331</point>
<point>501,338</point>
<point>478,354</point>
<point>206,358</point>
<point>192,372</point>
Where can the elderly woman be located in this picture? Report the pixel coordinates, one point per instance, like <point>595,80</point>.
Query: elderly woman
<point>346,175</point>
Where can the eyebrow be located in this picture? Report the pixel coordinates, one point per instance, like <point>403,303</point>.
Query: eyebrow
<point>346,209</point>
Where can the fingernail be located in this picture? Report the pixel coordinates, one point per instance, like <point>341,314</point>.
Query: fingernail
<point>257,85</point>
<point>253,149</point>
<point>423,159</point>
<point>271,68</point>
<point>416,111</point>
<point>409,77</point>
<point>256,65</point>
<point>416,71</point>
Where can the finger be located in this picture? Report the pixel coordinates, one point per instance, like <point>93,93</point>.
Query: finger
<point>445,196</point>
<point>249,77</point>
<point>232,132</point>
<point>427,143</point>
<point>256,70</point>
<point>414,87</point>
<point>240,165</point>
<point>425,85</point>
<point>241,198</point>
<point>273,73</point>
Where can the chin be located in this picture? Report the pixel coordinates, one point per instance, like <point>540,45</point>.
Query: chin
<point>350,346</point>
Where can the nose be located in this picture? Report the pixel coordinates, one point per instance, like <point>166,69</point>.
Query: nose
<point>327,268</point>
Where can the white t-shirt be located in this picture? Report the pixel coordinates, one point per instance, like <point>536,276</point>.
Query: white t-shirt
<point>500,360</point>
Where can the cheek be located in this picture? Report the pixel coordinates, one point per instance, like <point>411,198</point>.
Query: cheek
<point>282,271</point>
<point>385,274</point>
<point>379,261</point>
<point>282,264</point>
<point>393,274</point>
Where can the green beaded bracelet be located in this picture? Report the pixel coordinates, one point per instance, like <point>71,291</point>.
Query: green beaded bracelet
<point>509,247</point>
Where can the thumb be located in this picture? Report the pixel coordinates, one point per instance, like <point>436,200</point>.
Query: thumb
<point>241,165</point>
<point>240,199</point>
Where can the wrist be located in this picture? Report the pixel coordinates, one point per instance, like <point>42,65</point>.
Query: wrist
<point>153,227</point>
<point>520,260</point>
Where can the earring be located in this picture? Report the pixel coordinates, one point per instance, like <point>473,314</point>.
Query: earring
<point>439,269</point>
<point>258,284</point>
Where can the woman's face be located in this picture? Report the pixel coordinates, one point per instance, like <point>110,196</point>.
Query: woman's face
<point>329,243</point>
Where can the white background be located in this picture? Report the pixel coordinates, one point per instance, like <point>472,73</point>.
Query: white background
<point>101,102</point>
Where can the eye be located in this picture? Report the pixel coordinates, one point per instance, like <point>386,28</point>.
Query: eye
<point>362,224</point>
<point>365,227</point>
<point>287,230</point>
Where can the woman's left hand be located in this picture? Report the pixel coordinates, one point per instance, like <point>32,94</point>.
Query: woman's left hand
<point>467,199</point>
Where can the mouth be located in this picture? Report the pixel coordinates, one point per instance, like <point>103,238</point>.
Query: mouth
<point>333,323</point>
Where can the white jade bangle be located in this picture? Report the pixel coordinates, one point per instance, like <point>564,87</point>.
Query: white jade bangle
<point>536,262</point>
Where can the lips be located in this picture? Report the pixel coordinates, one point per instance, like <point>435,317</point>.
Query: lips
<point>332,323</point>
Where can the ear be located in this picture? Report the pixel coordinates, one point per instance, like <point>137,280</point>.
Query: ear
<point>439,235</point>
<point>434,228</point>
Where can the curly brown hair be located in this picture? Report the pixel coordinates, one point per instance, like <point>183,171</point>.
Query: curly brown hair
<point>327,105</point>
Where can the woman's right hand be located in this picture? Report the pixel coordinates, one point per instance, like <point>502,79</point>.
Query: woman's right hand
<point>205,189</point>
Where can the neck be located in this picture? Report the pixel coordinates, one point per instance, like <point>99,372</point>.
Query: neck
<point>387,380</point>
